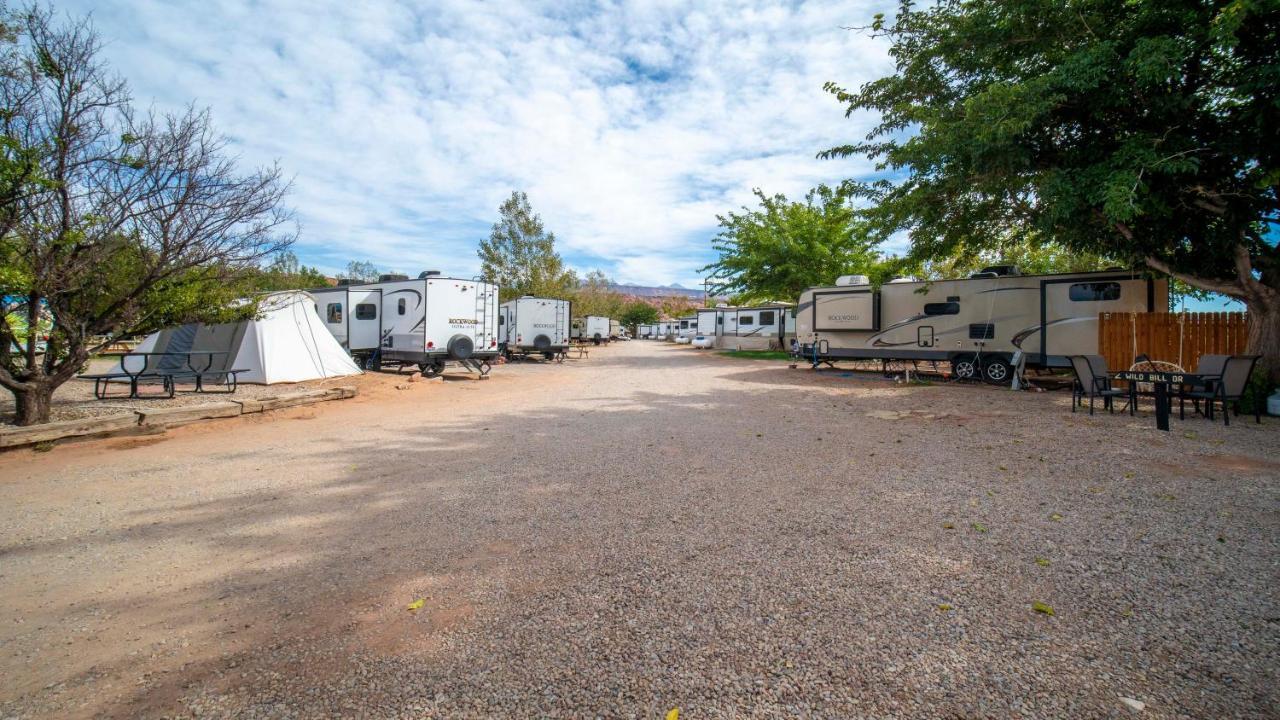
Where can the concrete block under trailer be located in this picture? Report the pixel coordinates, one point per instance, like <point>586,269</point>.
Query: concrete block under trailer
<point>427,322</point>
<point>976,324</point>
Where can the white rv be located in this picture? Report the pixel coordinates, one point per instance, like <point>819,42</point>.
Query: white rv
<point>534,326</point>
<point>757,327</point>
<point>592,328</point>
<point>426,322</point>
<point>644,332</point>
<point>977,324</point>
<point>686,327</point>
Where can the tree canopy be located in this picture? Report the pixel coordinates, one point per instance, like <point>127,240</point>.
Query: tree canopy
<point>520,256</point>
<point>594,296</point>
<point>638,312</point>
<point>776,250</point>
<point>112,222</point>
<point>1145,131</point>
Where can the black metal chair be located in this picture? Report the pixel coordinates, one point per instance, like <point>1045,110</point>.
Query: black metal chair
<point>1092,382</point>
<point>1235,379</point>
<point>1208,367</point>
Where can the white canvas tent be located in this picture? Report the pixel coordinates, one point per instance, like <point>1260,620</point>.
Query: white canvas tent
<point>286,343</point>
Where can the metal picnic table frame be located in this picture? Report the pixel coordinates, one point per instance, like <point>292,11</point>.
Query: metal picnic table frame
<point>167,377</point>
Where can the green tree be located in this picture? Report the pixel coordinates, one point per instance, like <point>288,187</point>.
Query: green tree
<point>285,272</point>
<point>637,313</point>
<point>362,271</point>
<point>594,295</point>
<point>520,255</point>
<point>775,251</point>
<point>112,222</point>
<point>1145,131</point>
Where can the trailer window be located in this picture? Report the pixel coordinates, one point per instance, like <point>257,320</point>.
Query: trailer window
<point>746,319</point>
<point>766,317</point>
<point>946,308</point>
<point>366,311</point>
<point>502,319</point>
<point>1095,292</point>
<point>400,306</point>
<point>982,331</point>
<point>334,312</point>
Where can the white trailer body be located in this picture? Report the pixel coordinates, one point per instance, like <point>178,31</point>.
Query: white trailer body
<point>592,328</point>
<point>756,327</point>
<point>644,332</point>
<point>977,324</point>
<point>426,322</point>
<point>615,329</point>
<point>687,327</point>
<point>534,325</point>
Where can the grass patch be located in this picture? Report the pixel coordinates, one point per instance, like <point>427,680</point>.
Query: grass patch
<point>757,354</point>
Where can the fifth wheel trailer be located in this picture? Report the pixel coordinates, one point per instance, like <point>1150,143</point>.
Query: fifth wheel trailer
<point>977,324</point>
<point>534,326</point>
<point>426,322</point>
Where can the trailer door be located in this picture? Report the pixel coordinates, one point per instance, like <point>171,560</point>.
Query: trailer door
<point>364,322</point>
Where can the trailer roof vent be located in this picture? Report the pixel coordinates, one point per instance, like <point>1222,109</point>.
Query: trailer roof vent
<point>902,280</point>
<point>982,275</point>
<point>428,273</point>
<point>1003,270</point>
<point>722,305</point>
<point>853,280</point>
<point>392,277</point>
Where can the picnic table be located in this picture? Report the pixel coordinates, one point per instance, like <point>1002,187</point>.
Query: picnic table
<point>137,376</point>
<point>1162,383</point>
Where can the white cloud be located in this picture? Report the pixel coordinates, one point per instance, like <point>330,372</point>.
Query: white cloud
<point>631,124</point>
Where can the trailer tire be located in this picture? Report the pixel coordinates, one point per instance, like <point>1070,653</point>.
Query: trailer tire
<point>549,355</point>
<point>596,339</point>
<point>460,347</point>
<point>966,367</point>
<point>430,370</point>
<point>996,370</point>
<point>541,343</point>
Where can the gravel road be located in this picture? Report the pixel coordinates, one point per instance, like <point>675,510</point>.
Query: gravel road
<point>654,527</point>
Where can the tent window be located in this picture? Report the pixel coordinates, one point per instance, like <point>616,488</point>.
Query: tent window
<point>366,311</point>
<point>766,317</point>
<point>400,306</point>
<point>334,312</point>
<point>1095,292</point>
<point>946,308</point>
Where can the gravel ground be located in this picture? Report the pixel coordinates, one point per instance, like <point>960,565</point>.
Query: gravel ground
<point>648,529</point>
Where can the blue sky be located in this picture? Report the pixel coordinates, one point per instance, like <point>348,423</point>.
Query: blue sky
<point>629,124</point>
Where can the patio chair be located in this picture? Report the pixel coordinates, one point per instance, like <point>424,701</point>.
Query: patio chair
<point>1208,366</point>
<point>1092,382</point>
<point>1235,378</point>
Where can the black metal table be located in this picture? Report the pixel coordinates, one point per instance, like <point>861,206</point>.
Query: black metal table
<point>166,376</point>
<point>1162,381</point>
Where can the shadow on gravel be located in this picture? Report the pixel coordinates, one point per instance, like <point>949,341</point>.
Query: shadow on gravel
<point>757,549</point>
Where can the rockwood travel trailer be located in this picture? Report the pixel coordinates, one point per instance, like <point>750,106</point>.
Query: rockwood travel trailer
<point>427,322</point>
<point>758,327</point>
<point>977,324</point>
<point>534,326</point>
<point>593,328</point>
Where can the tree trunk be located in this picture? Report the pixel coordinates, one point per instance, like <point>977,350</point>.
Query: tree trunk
<point>1264,333</point>
<point>33,403</point>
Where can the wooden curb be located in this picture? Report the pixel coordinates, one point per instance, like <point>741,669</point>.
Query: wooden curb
<point>11,437</point>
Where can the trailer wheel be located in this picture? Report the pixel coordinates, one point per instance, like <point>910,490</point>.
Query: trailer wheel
<point>549,355</point>
<point>596,339</point>
<point>460,347</point>
<point>996,370</point>
<point>966,367</point>
<point>430,370</point>
<point>542,342</point>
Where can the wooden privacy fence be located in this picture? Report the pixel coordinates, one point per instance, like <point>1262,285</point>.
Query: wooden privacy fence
<point>1179,338</point>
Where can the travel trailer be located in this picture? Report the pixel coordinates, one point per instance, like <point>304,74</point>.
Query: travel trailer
<point>427,322</point>
<point>534,326</point>
<point>758,327</point>
<point>644,332</point>
<point>685,327</point>
<point>977,324</point>
<point>615,329</point>
<point>593,328</point>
